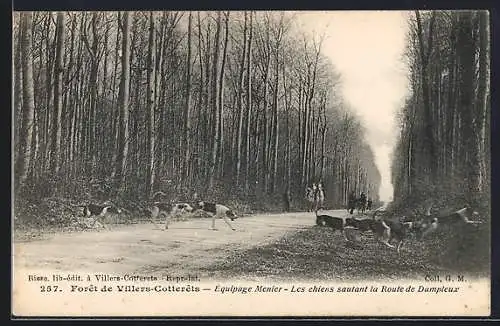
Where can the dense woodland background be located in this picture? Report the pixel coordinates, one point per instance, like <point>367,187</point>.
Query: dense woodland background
<point>236,106</point>
<point>244,108</point>
<point>443,150</point>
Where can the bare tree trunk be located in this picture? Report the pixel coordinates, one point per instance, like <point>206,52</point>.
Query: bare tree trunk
<point>248,105</point>
<point>215,103</point>
<point>80,140</point>
<point>275,131</point>
<point>466,98</point>
<point>26,132</point>
<point>107,139</point>
<point>151,107</point>
<point>187,108</point>
<point>209,96</point>
<point>305,126</point>
<point>450,116</point>
<point>92,146</point>
<point>240,102</point>
<point>482,106</point>
<point>72,101</point>
<point>288,175</point>
<point>49,48</point>
<point>18,98</point>
<point>220,112</point>
<point>323,137</point>
<point>428,142</point>
<point>200,170</point>
<point>56,117</point>
<point>116,112</point>
<point>265,122</point>
<point>123,141</point>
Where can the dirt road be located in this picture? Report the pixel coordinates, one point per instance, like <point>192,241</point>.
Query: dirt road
<point>143,248</point>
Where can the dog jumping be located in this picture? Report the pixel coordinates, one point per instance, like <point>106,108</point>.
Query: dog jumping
<point>336,223</point>
<point>362,224</point>
<point>393,230</point>
<point>462,217</point>
<point>385,230</point>
<point>218,211</point>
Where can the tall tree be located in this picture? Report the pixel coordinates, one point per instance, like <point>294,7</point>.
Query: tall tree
<point>151,106</point>
<point>123,138</point>
<point>425,55</point>
<point>221,95</point>
<point>482,104</point>
<point>18,99</point>
<point>248,104</point>
<point>215,102</point>
<point>240,102</point>
<point>466,65</point>
<point>187,109</point>
<point>56,117</point>
<point>26,132</point>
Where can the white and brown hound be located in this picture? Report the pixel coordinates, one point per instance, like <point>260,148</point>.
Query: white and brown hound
<point>429,224</point>
<point>218,211</point>
<point>99,211</point>
<point>168,211</point>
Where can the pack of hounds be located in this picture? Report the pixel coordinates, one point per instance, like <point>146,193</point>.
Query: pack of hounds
<point>385,230</point>
<point>163,210</point>
<point>395,232</point>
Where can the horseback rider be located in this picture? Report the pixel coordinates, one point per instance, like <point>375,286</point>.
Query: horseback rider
<point>310,196</point>
<point>351,204</point>
<point>369,204</point>
<point>319,196</point>
<point>362,201</point>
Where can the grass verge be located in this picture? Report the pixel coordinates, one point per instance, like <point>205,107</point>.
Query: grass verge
<point>318,253</point>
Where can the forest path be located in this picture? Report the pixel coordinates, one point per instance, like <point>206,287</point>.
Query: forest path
<point>185,248</point>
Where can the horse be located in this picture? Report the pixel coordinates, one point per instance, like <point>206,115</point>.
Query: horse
<point>361,203</point>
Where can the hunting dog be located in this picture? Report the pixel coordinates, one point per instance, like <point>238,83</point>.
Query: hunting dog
<point>98,212</point>
<point>391,230</point>
<point>385,230</point>
<point>462,217</point>
<point>218,211</point>
<point>362,224</point>
<point>168,210</point>
<point>336,223</point>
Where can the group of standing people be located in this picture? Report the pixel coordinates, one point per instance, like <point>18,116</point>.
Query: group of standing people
<point>361,204</point>
<point>316,196</point>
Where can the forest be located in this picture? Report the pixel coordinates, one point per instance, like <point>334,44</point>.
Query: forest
<point>443,149</point>
<point>227,105</point>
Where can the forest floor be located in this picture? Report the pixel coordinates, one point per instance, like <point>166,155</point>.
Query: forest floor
<point>264,246</point>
